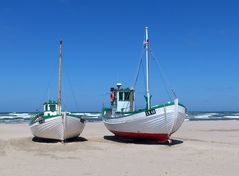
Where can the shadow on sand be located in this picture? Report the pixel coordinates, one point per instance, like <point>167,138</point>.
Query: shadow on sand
<point>142,141</point>
<point>71,140</point>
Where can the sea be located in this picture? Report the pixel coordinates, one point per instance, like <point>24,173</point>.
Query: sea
<point>24,117</point>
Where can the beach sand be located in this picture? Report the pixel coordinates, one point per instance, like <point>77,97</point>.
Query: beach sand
<point>199,148</point>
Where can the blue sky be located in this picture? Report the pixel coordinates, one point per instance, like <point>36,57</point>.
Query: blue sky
<point>196,42</point>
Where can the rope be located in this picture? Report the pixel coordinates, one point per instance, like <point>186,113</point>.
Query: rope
<point>165,85</point>
<point>138,69</point>
<point>72,91</point>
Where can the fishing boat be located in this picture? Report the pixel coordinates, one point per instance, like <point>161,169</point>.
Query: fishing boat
<point>53,123</point>
<point>157,122</point>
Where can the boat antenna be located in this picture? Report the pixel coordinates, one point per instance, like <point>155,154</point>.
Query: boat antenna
<point>147,67</point>
<point>59,79</point>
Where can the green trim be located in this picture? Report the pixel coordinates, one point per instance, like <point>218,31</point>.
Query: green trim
<point>33,120</point>
<point>49,117</point>
<point>125,90</point>
<point>182,105</point>
<point>163,105</point>
<point>143,110</point>
<point>51,102</point>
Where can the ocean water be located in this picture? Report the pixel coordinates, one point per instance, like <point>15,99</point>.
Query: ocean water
<point>213,115</point>
<point>24,117</point>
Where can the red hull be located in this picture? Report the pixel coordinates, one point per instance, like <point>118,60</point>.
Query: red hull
<point>150,136</point>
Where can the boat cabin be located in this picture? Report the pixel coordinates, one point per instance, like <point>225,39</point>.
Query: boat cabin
<point>50,108</point>
<point>122,99</point>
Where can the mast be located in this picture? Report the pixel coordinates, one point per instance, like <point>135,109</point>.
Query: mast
<point>59,79</point>
<point>147,67</point>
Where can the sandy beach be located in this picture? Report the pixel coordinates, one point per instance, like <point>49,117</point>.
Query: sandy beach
<point>199,148</point>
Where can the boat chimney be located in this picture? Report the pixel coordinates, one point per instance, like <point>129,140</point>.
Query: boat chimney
<point>119,85</point>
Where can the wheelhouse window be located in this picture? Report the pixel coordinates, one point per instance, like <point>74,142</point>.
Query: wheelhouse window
<point>52,108</point>
<point>46,107</point>
<point>120,96</point>
<point>126,96</point>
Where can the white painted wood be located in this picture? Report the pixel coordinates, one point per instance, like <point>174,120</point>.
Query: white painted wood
<point>58,128</point>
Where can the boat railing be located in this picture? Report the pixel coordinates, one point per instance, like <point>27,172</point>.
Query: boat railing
<point>81,117</point>
<point>36,118</point>
<point>107,114</point>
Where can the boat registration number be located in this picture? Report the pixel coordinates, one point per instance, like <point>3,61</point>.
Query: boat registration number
<point>150,112</point>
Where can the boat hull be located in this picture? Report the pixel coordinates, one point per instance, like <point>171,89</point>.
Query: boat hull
<point>158,126</point>
<point>58,127</point>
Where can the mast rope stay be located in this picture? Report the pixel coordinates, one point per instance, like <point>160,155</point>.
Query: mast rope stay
<point>73,94</point>
<point>138,68</point>
<point>164,81</point>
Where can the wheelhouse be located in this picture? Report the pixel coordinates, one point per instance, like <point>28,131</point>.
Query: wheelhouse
<point>50,108</point>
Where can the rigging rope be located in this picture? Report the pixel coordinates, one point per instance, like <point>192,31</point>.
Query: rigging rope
<point>165,85</point>
<point>72,91</point>
<point>138,70</point>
